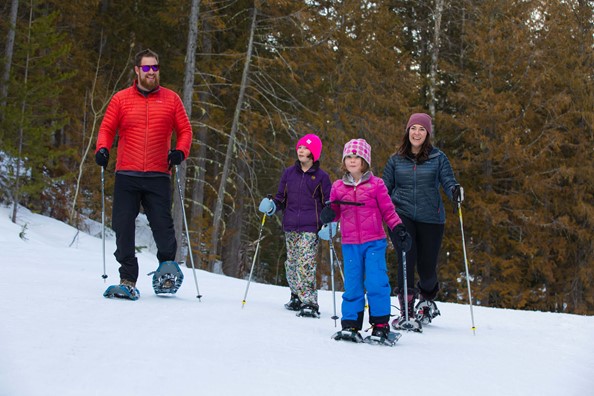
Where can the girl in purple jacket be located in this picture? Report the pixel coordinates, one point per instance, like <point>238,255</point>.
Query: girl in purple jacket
<point>360,201</point>
<point>302,192</point>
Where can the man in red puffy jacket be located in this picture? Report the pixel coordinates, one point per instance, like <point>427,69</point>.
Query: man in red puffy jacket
<point>144,116</point>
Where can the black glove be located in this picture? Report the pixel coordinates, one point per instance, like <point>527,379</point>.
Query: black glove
<point>175,157</point>
<point>102,157</point>
<point>458,193</point>
<point>327,215</point>
<point>401,238</point>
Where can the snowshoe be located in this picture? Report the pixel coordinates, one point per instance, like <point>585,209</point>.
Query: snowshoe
<point>294,303</point>
<point>412,324</point>
<point>309,311</point>
<point>167,278</point>
<point>426,311</point>
<point>381,335</point>
<point>123,291</point>
<point>348,334</point>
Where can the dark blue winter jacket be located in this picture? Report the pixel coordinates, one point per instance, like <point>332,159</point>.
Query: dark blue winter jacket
<point>301,196</point>
<point>414,188</point>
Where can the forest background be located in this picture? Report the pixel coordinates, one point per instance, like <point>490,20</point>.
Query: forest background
<point>509,84</point>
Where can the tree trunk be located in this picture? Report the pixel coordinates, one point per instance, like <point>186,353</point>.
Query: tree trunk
<point>17,176</point>
<point>188,91</point>
<point>435,56</point>
<point>14,7</point>
<point>200,168</point>
<point>232,251</point>
<point>218,213</point>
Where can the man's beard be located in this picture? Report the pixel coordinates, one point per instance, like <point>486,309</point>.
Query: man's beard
<point>149,84</point>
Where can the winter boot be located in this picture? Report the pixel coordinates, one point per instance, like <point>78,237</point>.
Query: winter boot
<point>426,310</point>
<point>348,334</point>
<point>401,322</point>
<point>294,303</point>
<point>126,282</point>
<point>381,335</point>
<point>309,311</point>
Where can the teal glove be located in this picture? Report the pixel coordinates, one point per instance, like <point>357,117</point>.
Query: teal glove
<point>267,206</point>
<point>324,232</point>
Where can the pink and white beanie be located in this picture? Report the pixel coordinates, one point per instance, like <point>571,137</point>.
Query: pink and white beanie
<point>313,144</point>
<point>357,147</point>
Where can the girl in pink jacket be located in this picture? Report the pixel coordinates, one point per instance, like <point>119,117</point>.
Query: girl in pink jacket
<point>361,203</point>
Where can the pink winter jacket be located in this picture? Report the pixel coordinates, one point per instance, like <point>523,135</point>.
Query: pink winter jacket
<point>360,224</point>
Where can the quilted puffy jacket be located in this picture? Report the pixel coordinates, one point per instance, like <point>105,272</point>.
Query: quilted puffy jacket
<point>414,188</point>
<point>361,224</point>
<point>144,126</point>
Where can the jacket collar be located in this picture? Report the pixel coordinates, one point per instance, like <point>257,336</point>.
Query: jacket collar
<point>350,181</point>
<point>314,167</point>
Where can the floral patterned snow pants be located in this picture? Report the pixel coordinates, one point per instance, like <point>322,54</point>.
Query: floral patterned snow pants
<point>301,265</point>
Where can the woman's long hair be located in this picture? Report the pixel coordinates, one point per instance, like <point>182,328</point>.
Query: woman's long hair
<point>405,148</point>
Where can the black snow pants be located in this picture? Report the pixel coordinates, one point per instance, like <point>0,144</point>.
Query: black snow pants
<point>154,193</point>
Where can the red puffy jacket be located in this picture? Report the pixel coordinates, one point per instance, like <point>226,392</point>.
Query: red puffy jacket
<point>145,125</point>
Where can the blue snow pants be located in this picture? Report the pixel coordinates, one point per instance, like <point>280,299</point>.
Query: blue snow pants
<point>365,271</point>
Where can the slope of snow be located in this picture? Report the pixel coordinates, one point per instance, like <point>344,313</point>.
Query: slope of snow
<point>59,336</point>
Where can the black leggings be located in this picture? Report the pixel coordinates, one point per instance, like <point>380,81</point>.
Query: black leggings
<point>423,255</point>
<point>154,193</point>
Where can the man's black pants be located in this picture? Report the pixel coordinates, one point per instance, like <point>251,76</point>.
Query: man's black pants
<point>154,193</point>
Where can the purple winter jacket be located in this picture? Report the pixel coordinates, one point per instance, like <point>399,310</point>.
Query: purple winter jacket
<point>301,196</point>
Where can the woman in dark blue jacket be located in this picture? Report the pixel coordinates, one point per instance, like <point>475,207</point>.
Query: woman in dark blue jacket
<point>413,176</point>
<point>302,193</point>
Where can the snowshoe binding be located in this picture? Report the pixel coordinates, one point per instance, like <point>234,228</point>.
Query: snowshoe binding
<point>125,290</point>
<point>294,303</point>
<point>167,278</point>
<point>309,311</point>
<point>426,311</point>
<point>381,335</point>
<point>348,334</point>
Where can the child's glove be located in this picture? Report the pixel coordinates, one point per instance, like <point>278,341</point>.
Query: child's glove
<point>324,232</point>
<point>327,215</point>
<point>267,206</point>
<point>401,238</point>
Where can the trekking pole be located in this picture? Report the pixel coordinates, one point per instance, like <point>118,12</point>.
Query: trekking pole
<point>181,201</point>
<point>338,265</point>
<point>254,260</point>
<point>332,254</point>
<point>104,276</point>
<point>405,291</point>
<point>466,260</point>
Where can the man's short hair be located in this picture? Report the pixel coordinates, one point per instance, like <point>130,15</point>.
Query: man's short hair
<point>147,53</point>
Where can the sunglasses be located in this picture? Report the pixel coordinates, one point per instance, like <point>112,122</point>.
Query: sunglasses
<point>146,68</point>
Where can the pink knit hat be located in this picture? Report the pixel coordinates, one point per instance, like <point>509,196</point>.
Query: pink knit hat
<point>420,119</point>
<point>358,147</point>
<point>313,144</point>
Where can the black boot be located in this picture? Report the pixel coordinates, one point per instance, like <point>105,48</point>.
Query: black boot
<point>426,310</point>
<point>294,303</point>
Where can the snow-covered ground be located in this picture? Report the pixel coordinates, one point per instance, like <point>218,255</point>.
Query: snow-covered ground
<point>59,336</point>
